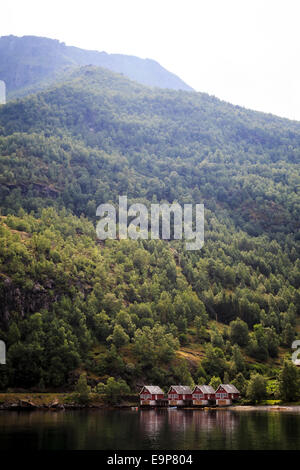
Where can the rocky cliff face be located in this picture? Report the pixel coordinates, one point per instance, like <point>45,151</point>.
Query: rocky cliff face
<point>23,301</point>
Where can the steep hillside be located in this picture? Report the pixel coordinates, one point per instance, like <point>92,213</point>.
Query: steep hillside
<point>145,310</point>
<point>140,311</point>
<point>28,62</point>
<point>162,145</point>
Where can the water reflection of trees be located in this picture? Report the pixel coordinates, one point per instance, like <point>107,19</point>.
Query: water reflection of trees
<point>269,430</point>
<point>149,429</point>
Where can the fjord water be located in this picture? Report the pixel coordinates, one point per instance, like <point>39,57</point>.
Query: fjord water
<point>149,429</point>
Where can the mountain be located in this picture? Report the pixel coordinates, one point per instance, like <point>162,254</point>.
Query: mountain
<point>145,310</point>
<point>240,160</point>
<point>30,62</point>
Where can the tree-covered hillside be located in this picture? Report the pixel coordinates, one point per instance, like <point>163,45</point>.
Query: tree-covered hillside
<point>153,144</point>
<point>146,310</point>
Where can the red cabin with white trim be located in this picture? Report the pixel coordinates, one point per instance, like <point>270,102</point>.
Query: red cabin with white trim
<point>226,394</point>
<point>203,395</point>
<point>179,395</point>
<point>150,394</point>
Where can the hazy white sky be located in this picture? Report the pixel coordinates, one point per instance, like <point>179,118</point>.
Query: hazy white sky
<point>246,52</point>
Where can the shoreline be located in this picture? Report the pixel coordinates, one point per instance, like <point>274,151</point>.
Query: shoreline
<point>63,401</point>
<point>265,408</point>
<point>56,401</point>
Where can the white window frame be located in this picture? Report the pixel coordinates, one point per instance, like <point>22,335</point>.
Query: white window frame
<point>198,396</point>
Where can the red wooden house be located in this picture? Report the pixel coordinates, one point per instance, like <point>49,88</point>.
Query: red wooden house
<point>150,395</point>
<point>203,395</point>
<point>179,395</point>
<point>226,394</point>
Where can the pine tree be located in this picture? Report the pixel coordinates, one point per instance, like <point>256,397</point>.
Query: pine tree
<point>82,389</point>
<point>257,388</point>
<point>288,382</point>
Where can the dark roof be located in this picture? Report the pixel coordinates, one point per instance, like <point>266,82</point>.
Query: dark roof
<point>205,388</point>
<point>153,389</point>
<point>229,388</point>
<point>181,389</point>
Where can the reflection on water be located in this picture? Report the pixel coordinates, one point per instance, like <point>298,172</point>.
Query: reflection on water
<point>193,429</point>
<point>149,429</point>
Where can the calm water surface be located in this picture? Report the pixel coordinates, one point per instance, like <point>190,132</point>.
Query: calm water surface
<point>149,429</point>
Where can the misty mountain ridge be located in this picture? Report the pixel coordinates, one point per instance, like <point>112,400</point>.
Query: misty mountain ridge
<point>27,63</point>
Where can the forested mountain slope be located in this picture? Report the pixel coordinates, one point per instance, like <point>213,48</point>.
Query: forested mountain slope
<point>162,144</point>
<point>147,310</point>
<point>27,63</point>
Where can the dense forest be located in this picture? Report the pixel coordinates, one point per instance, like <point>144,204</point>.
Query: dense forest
<point>146,310</point>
